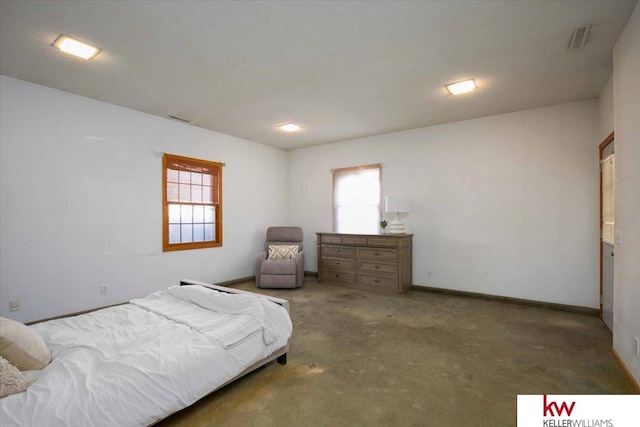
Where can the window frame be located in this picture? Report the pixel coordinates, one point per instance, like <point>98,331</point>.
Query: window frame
<point>169,247</point>
<point>336,172</point>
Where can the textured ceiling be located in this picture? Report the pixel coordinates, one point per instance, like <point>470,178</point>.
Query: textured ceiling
<point>342,70</point>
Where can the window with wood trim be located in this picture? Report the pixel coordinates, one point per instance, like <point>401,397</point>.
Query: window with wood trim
<point>192,203</point>
<point>356,199</point>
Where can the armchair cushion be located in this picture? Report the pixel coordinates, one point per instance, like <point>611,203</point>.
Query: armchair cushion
<point>279,266</point>
<point>282,251</point>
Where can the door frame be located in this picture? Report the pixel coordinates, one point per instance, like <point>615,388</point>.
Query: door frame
<point>601,148</point>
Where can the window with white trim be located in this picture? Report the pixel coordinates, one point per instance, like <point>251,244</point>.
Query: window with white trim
<point>356,199</point>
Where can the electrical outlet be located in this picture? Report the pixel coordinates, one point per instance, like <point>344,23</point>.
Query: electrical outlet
<point>637,346</point>
<point>14,305</point>
<point>430,274</point>
<point>103,289</point>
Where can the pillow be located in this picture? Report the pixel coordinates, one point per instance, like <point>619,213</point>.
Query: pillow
<point>282,251</point>
<point>11,380</point>
<point>22,346</point>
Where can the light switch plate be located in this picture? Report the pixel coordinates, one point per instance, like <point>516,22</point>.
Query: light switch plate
<point>618,237</point>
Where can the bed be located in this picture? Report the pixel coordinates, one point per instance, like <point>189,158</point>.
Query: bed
<point>135,364</point>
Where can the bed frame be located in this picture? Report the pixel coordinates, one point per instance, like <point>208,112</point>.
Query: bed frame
<point>279,355</point>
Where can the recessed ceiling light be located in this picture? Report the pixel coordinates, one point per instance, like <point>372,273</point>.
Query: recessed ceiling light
<point>290,127</point>
<point>76,47</point>
<point>461,87</point>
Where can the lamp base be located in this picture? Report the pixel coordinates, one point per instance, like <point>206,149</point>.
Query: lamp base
<point>397,227</point>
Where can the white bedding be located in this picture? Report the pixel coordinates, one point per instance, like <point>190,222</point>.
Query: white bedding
<point>134,364</point>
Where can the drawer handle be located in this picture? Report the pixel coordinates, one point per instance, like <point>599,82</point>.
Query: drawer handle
<point>337,262</point>
<point>376,266</point>
<point>377,280</point>
<point>337,275</point>
<point>376,253</point>
<point>337,250</point>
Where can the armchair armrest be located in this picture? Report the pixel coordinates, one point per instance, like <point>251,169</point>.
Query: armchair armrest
<point>258,264</point>
<point>299,268</point>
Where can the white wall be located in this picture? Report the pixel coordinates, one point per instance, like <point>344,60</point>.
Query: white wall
<point>503,205</point>
<point>81,202</point>
<point>626,88</point>
<point>605,111</point>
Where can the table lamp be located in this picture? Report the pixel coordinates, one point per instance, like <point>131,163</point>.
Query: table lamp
<point>396,204</point>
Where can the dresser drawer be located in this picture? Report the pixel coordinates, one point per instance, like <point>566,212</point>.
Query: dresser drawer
<point>338,264</point>
<point>378,268</point>
<point>379,282</point>
<point>335,276</point>
<point>331,239</point>
<point>380,241</point>
<point>371,254</point>
<point>354,240</point>
<point>338,252</point>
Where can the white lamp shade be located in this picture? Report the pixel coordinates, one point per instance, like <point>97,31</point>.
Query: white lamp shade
<point>396,204</point>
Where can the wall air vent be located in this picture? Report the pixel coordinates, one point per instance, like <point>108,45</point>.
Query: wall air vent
<point>179,119</point>
<point>579,37</point>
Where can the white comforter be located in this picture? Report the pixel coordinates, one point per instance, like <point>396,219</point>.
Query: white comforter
<point>136,363</point>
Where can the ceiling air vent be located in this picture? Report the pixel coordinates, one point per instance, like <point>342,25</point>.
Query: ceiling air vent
<point>180,119</point>
<point>579,37</point>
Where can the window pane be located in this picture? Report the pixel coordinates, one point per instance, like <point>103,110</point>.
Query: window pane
<point>198,214</point>
<point>172,175</point>
<point>358,219</point>
<point>356,200</point>
<point>196,194</point>
<point>185,193</point>
<point>172,192</point>
<point>206,194</point>
<point>198,233</point>
<point>185,177</point>
<point>208,214</point>
<point>208,232</point>
<point>359,188</point>
<point>196,178</point>
<point>206,179</point>
<point>174,214</point>
<point>186,214</point>
<point>174,233</point>
<point>186,233</point>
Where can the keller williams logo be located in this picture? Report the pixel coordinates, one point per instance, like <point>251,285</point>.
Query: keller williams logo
<point>548,408</point>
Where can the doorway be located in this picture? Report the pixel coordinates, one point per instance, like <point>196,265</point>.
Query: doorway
<point>607,226</point>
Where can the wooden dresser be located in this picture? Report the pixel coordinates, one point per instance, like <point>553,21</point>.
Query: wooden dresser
<point>376,262</point>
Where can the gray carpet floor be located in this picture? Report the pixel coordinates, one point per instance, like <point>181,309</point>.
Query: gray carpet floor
<point>424,359</point>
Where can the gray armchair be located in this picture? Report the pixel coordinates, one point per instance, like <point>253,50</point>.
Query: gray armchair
<point>281,273</point>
